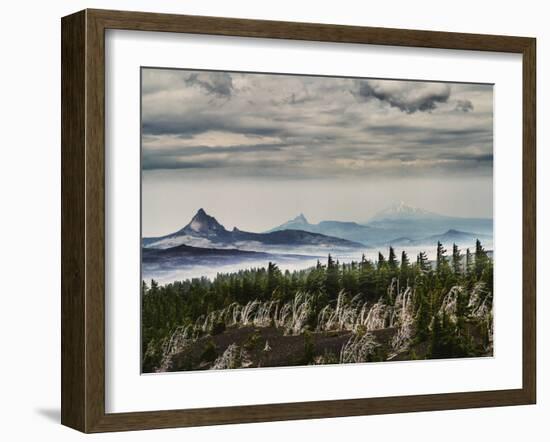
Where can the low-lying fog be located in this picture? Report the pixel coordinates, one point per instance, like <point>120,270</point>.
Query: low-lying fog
<point>168,275</point>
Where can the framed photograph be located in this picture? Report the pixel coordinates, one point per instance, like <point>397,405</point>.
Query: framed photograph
<point>270,220</point>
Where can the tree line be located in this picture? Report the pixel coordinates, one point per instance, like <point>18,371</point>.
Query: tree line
<point>179,303</point>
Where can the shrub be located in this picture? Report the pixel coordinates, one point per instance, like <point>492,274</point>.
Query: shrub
<point>210,352</point>
<point>252,341</point>
<point>218,328</point>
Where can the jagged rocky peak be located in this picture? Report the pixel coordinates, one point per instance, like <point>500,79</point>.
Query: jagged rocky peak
<point>204,223</point>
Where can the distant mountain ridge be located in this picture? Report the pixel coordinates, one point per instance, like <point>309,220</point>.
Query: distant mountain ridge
<point>399,224</point>
<point>183,256</point>
<point>205,231</point>
<point>349,230</point>
<point>449,237</point>
<point>397,221</point>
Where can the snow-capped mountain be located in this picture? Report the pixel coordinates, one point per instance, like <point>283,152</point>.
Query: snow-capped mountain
<point>401,210</point>
<point>413,223</point>
<point>399,221</point>
<point>206,232</point>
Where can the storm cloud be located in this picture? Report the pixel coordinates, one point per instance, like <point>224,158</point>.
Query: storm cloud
<point>464,105</point>
<point>216,83</point>
<point>408,97</point>
<point>280,126</point>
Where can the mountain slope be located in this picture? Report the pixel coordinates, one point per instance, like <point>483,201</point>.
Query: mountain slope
<point>183,251</point>
<point>447,238</point>
<point>348,230</point>
<point>402,211</point>
<point>202,223</point>
<point>298,223</point>
<point>399,221</point>
<point>188,257</point>
<point>206,232</point>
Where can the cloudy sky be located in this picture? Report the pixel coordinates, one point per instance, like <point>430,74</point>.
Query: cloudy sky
<point>256,149</point>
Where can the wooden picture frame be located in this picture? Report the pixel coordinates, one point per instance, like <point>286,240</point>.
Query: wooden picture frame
<point>83,220</point>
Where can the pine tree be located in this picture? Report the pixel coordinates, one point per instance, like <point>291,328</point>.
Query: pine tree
<point>315,280</point>
<point>422,262</point>
<point>468,262</point>
<point>381,261</point>
<point>436,342</point>
<point>405,263</point>
<point>273,274</point>
<point>441,260</point>
<point>332,285</point>
<point>404,270</point>
<point>448,341</point>
<point>366,280</point>
<point>480,259</point>
<point>457,265</point>
<point>349,278</point>
<point>423,313</point>
<point>392,261</point>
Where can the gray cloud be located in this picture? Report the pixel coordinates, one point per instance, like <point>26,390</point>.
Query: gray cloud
<point>174,162</point>
<point>200,123</point>
<point>219,84</point>
<point>193,157</point>
<point>464,106</point>
<point>279,126</point>
<point>408,97</point>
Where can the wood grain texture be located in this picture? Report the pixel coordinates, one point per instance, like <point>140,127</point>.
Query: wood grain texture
<point>73,130</point>
<point>83,220</point>
<point>529,221</point>
<point>144,21</point>
<point>95,222</point>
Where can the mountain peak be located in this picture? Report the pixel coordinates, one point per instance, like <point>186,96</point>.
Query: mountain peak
<point>298,223</point>
<point>403,207</point>
<point>300,219</point>
<point>203,223</point>
<point>402,210</point>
